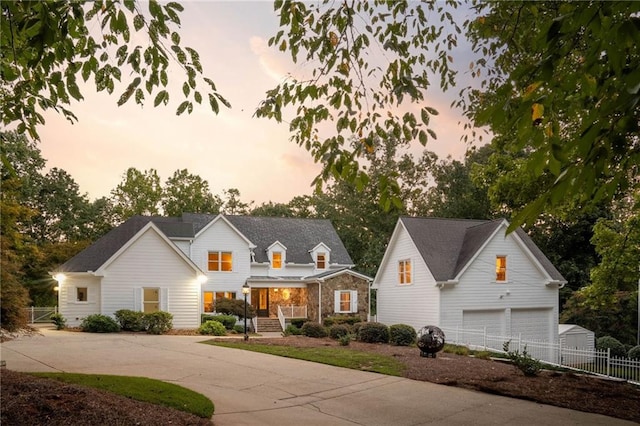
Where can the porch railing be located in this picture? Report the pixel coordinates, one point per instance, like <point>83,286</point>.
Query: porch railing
<point>291,311</point>
<point>281,318</point>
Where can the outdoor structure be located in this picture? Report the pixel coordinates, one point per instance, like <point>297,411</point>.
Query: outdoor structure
<point>296,268</point>
<point>468,274</point>
<point>572,336</point>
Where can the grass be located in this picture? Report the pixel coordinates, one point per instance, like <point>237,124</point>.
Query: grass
<point>141,389</point>
<point>339,357</point>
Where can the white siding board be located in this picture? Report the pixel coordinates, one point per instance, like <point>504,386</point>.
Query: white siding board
<point>72,310</point>
<point>151,262</point>
<point>416,304</point>
<point>524,289</point>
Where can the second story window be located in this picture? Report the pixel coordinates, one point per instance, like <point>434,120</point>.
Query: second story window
<point>404,272</point>
<point>276,260</point>
<point>501,268</point>
<point>220,261</point>
<point>321,262</point>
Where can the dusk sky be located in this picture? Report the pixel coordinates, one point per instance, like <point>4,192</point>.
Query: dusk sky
<point>230,150</point>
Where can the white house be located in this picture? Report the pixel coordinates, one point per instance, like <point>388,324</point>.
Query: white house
<point>467,274</point>
<point>295,268</point>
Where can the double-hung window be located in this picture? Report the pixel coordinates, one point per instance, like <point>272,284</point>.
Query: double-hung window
<point>346,301</point>
<point>404,272</point>
<point>501,268</point>
<point>276,260</point>
<point>220,261</point>
<point>321,261</point>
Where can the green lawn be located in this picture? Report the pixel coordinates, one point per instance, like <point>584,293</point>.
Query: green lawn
<point>142,389</point>
<point>339,357</point>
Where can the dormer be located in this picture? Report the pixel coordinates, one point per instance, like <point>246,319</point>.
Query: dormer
<point>321,255</point>
<point>277,254</point>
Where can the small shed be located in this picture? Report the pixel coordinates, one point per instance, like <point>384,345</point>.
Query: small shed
<point>573,336</point>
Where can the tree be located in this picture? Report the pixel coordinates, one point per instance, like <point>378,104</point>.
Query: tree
<point>561,80</point>
<point>233,204</point>
<point>46,46</point>
<point>139,193</point>
<point>542,84</point>
<point>609,303</point>
<point>348,90</point>
<point>185,192</point>
<point>455,194</point>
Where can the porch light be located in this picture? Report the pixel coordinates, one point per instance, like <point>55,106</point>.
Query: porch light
<point>59,277</point>
<point>202,279</point>
<point>56,288</point>
<point>245,290</point>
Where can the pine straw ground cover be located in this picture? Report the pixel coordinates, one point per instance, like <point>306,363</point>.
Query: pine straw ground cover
<point>42,401</point>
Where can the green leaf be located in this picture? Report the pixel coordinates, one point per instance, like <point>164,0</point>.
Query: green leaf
<point>182,107</point>
<point>162,96</point>
<point>215,107</point>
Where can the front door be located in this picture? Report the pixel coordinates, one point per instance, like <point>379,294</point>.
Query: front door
<point>260,301</point>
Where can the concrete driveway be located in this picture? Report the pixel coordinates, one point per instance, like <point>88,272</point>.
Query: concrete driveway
<point>249,388</point>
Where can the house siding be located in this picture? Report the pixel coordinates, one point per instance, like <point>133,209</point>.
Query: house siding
<point>524,304</point>
<point>72,310</point>
<point>151,262</point>
<point>221,237</point>
<point>416,304</point>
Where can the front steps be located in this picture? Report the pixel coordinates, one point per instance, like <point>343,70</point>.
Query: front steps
<point>268,325</point>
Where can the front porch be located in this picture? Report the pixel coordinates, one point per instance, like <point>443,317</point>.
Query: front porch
<point>276,306</point>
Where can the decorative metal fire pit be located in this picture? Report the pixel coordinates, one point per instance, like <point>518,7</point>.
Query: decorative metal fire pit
<point>430,341</point>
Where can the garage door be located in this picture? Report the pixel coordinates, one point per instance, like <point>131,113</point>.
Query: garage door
<point>492,320</point>
<point>532,324</point>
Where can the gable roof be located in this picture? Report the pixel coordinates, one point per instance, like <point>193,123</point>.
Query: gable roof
<point>97,254</point>
<point>448,245</point>
<point>298,235</point>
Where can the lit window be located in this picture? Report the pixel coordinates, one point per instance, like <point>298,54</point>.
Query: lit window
<point>225,295</point>
<point>346,301</point>
<point>81,294</point>
<point>220,261</point>
<point>151,302</point>
<point>501,268</point>
<point>320,261</point>
<point>208,301</point>
<point>276,260</point>
<point>404,272</point>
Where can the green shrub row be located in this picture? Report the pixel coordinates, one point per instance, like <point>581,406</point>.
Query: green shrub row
<point>234,307</point>
<point>158,322</point>
<point>212,328</point>
<point>341,319</point>
<point>229,321</point>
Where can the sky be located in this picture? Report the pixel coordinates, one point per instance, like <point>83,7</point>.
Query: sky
<point>230,150</point>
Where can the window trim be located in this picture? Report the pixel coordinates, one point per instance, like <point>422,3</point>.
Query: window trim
<point>324,260</point>
<point>273,260</point>
<point>220,261</point>
<point>353,298</point>
<point>204,302</point>
<point>145,301</point>
<point>86,294</point>
<point>405,275</point>
<point>501,270</point>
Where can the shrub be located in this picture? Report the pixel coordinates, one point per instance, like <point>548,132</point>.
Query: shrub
<point>239,328</point>
<point>345,340</point>
<point>341,319</point>
<point>14,297</point>
<point>234,307</point>
<point>291,330</point>
<point>523,361</point>
<point>634,352</point>
<point>337,331</point>
<point>373,332</point>
<point>130,320</point>
<point>314,329</point>
<point>299,322</point>
<point>98,323</point>
<point>356,327</point>
<point>158,322</point>
<point>402,335</point>
<point>212,328</point>
<point>229,321</point>
<point>59,321</point>
<point>608,342</point>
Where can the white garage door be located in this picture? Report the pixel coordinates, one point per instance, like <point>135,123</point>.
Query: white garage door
<point>492,320</point>
<point>532,324</point>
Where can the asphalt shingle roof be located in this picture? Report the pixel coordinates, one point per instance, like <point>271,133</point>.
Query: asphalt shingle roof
<point>299,236</point>
<point>447,245</point>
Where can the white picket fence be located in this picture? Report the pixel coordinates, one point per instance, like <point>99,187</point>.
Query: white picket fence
<point>36,314</point>
<point>594,361</point>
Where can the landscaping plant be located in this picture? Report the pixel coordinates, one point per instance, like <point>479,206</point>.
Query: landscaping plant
<point>213,328</point>
<point>523,361</point>
<point>373,332</point>
<point>158,322</point>
<point>337,331</point>
<point>59,321</point>
<point>614,345</point>
<point>314,329</point>
<point>130,320</point>
<point>402,335</point>
<point>98,323</point>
